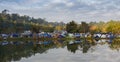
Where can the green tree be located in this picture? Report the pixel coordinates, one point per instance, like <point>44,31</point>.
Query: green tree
<point>84,27</point>
<point>5,11</point>
<point>71,27</point>
<point>16,23</point>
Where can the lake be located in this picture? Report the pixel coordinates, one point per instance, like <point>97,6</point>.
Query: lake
<point>103,50</point>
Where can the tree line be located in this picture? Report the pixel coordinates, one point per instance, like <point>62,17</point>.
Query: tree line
<point>111,26</point>
<point>14,23</point>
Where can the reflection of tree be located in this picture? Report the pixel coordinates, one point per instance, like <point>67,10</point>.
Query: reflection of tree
<point>72,47</point>
<point>16,52</point>
<point>57,43</point>
<point>115,45</point>
<point>85,45</point>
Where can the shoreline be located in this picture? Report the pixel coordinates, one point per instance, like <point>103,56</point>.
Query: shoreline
<point>43,39</point>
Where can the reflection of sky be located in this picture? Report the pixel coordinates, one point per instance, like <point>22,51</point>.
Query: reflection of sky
<point>102,53</point>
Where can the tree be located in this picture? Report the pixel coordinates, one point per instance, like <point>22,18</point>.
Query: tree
<point>71,27</point>
<point>84,27</point>
<point>93,29</point>
<point>16,23</point>
<point>113,26</point>
<point>97,27</point>
<point>58,28</point>
<point>5,11</point>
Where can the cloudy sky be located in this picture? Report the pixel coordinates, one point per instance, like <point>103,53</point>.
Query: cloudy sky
<point>65,10</point>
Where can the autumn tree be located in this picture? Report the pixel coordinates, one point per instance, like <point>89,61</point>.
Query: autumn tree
<point>113,26</point>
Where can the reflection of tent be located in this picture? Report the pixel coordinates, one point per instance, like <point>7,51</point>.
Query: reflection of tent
<point>97,36</point>
<point>4,36</point>
<point>45,35</point>
<point>4,43</point>
<point>27,34</point>
<point>61,36</point>
<point>70,35</point>
<point>111,37</point>
<point>16,43</point>
<point>103,36</point>
<point>77,41</point>
<point>15,35</point>
<point>71,42</point>
<point>46,42</point>
<point>77,35</point>
<point>118,35</point>
<point>30,43</point>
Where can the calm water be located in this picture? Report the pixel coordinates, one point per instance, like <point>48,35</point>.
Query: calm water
<point>60,51</point>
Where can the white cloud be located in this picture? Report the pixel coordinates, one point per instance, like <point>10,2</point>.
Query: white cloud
<point>65,10</point>
<point>58,1</point>
<point>70,4</point>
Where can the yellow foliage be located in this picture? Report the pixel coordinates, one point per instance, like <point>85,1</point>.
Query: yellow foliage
<point>58,28</point>
<point>113,26</point>
<point>94,27</point>
<point>50,25</point>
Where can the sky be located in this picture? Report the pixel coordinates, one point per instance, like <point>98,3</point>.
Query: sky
<point>65,10</point>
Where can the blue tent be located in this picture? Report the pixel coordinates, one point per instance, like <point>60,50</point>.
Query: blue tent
<point>45,35</point>
<point>61,36</point>
<point>15,35</point>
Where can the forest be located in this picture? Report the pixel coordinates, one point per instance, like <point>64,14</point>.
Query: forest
<point>111,26</point>
<point>14,23</point>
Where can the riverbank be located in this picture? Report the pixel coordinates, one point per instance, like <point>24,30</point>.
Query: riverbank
<point>42,39</point>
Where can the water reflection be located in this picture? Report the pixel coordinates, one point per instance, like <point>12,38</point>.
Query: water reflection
<point>15,50</point>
